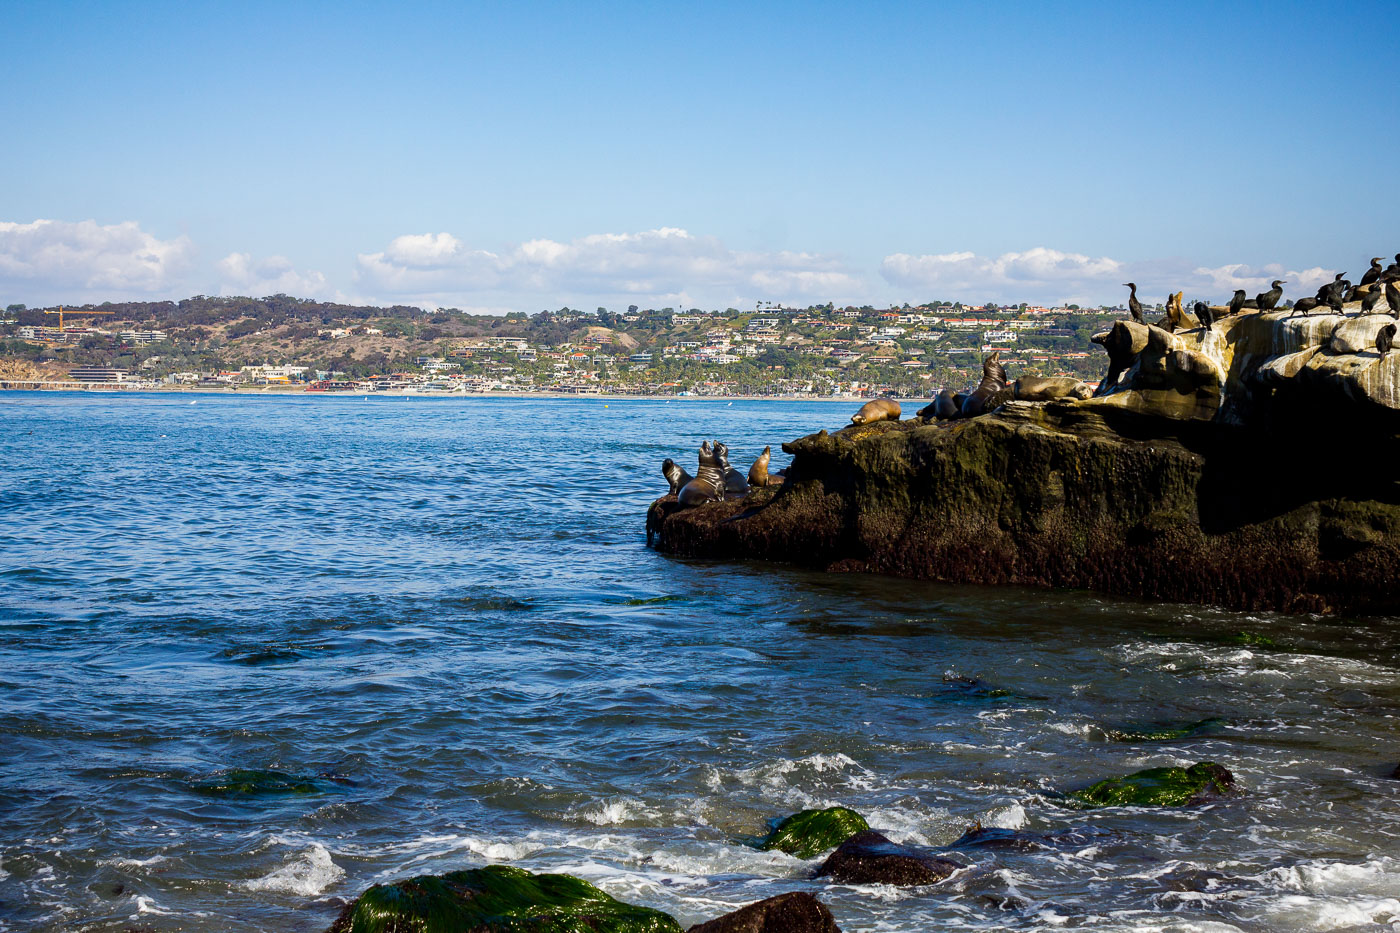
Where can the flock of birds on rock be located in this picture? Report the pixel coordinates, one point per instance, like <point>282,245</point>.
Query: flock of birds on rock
<point>1376,283</point>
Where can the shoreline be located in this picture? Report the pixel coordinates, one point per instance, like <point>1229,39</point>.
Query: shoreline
<point>109,389</point>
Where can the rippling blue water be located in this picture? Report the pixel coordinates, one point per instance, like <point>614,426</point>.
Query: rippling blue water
<point>256,654</point>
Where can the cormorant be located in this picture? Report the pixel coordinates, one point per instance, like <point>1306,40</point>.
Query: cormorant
<point>1204,314</point>
<point>1134,306</point>
<point>1267,300</point>
<point>1371,298</point>
<point>1392,296</point>
<point>1333,292</point>
<point>1237,302</point>
<point>1385,339</point>
<point>1372,273</point>
<point>1306,305</point>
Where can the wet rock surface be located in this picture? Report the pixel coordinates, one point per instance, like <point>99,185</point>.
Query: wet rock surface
<point>496,899</point>
<point>1160,787</point>
<point>869,857</point>
<point>810,832</point>
<point>798,912</point>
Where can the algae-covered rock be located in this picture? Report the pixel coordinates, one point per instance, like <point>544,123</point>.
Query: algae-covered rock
<point>1162,731</point>
<point>796,912</point>
<point>870,857</point>
<point>811,832</point>
<point>496,899</point>
<point>1159,787</point>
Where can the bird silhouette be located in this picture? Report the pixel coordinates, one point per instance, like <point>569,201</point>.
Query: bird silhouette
<point>1134,306</point>
<point>1268,300</point>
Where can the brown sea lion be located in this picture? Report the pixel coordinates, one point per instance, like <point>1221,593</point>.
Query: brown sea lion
<point>1123,343</point>
<point>758,473</point>
<point>880,409</point>
<point>734,481</point>
<point>1047,388</point>
<point>675,475</point>
<point>708,484</point>
<point>993,381</point>
<point>942,407</point>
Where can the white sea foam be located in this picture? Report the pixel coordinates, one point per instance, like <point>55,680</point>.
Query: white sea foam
<point>130,863</point>
<point>306,875</point>
<point>615,811</point>
<point>1012,816</point>
<point>147,905</point>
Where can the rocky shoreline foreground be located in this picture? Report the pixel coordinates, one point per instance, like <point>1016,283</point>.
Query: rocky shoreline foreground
<point>506,899</point>
<point>1247,463</point>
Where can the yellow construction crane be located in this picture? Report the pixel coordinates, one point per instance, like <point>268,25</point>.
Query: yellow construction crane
<point>59,312</point>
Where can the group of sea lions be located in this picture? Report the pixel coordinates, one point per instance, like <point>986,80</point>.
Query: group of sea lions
<point>994,390</point>
<point>715,479</point>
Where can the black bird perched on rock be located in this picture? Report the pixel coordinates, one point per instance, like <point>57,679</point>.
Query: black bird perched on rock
<point>1333,292</point>
<point>1237,302</point>
<point>1306,305</point>
<point>1392,295</point>
<point>1385,339</point>
<point>1371,298</point>
<point>1134,306</point>
<point>1204,314</point>
<point>1372,273</point>
<point>1267,300</point>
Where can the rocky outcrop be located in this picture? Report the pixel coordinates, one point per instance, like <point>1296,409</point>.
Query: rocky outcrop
<point>809,833</point>
<point>797,912</point>
<point>870,857</point>
<point>1299,511</point>
<point>1160,787</point>
<point>496,899</point>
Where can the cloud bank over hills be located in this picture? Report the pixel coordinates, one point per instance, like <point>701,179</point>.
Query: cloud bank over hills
<point>47,261</point>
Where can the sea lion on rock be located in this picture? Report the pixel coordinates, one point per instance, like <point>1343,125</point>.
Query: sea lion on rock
<point>758,473</point>
<point>1123,344</point>
<point>675,475</point>
<point>880,409</point>
<point>734,481</point>
<point>942,407</point>
<point>708,484</point>
<point>993,381</point>
<point>1048,388</point>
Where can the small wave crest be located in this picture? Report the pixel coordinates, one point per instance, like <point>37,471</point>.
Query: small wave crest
<point>309,873</point>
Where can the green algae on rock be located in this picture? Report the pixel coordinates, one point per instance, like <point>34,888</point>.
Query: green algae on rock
<point>496,899</point>
<point>1162,732</point>
<point>809,833</point>
<point>1159,787</point>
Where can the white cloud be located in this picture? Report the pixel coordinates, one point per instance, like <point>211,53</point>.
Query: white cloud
<point>665,265</point>
<point>1038,274</point>
<point>241,274</point>
<point>51,258</point>
<point>1048,275</point>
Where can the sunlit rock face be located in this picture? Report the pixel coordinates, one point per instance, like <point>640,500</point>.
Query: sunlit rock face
<point>1252,365</point>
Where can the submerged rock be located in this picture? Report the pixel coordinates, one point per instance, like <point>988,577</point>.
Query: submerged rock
<point>1162,732</point>
<point>249,782</point>
<point>811,832</point>
<point>870,857</point>
<point>496,899</point>
<point>797,912</point>
<point>1159,787</point>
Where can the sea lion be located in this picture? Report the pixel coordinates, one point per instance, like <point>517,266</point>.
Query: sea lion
<point>1048,388</point>
<point>734,481</point>
<point>1175,319</point>
<point>959,400</point>
<point>942,407</point>
<point>675,475</point>
<point>708,484</point>
<point>880,409</point>
<point>758,473</point>
<point>993,381</point>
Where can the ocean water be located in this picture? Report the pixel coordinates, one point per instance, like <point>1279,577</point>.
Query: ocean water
<point>259,653</point>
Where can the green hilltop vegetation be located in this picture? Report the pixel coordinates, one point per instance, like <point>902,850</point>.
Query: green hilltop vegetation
<point>821,349</point>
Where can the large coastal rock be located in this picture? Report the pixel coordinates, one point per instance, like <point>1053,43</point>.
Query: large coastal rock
<point>1160,787</point>
<point>796,912</point>
<point>1298,511</point>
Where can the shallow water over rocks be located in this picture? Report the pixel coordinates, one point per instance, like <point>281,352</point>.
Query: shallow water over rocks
<point>257,654</point>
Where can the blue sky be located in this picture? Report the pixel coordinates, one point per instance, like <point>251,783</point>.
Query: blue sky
<point>528,156</point>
